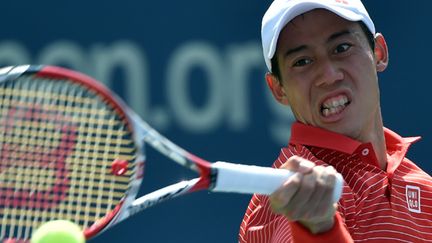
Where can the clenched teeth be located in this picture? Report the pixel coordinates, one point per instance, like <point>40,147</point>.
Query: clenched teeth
<point>334,105</point>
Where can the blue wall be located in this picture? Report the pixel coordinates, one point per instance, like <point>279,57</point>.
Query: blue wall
<point>194,70</point>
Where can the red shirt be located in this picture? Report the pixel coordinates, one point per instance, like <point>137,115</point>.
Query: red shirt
<point>376,205</point>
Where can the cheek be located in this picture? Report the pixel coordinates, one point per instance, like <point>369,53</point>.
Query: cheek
<point>299,100</point>
<point>299,90</point>
<point>296,93</point>
<point>366,77</point>
<point>363,64</point>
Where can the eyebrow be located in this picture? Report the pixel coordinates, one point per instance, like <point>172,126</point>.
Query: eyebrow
<point>331,38</point>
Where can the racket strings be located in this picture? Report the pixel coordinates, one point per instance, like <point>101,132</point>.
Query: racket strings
<point>57,142</point>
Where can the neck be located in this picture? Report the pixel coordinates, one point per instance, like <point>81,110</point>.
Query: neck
<point>380,150</point>
<point>375,135</point>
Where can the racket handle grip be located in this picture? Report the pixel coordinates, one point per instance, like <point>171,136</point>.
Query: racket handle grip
<point>251,179</point>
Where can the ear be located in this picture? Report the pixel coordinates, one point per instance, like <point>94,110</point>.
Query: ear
<point>276,88</point>
<point>381,52</point>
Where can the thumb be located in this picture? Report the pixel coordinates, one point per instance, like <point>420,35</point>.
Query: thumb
<point>298,164</point>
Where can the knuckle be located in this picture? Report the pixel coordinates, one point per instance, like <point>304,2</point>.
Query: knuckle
<point>309,182</point>
<point>292,163</point>
<point>296,179</point>
<point>326,177</point>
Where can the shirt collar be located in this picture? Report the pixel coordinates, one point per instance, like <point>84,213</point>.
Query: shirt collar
<point>319,137</point>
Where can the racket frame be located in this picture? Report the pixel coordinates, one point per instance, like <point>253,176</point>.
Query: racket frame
<point>219,176</point>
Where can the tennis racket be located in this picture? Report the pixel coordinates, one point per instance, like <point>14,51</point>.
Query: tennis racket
<point>71,149</point>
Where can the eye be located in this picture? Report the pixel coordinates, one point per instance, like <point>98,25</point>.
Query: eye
<point>302,62</point>
<point>342,48</point>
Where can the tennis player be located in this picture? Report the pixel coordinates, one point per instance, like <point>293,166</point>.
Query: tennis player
<point>323,57</point>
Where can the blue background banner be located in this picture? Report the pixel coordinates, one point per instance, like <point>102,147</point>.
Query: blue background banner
<point>194,70</point>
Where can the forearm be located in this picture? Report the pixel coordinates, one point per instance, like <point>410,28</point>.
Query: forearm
<point>338,233</point>
<point>319,227</point>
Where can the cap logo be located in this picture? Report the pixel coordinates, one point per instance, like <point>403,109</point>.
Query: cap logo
<point>342,1</point>
<point>413,198</point>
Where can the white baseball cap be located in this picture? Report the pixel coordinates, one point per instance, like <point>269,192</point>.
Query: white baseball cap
<point>282,12</point>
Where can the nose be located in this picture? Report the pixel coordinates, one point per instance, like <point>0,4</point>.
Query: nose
<point>329,72</point>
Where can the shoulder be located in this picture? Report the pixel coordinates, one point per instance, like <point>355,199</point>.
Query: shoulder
<point>413,173</point>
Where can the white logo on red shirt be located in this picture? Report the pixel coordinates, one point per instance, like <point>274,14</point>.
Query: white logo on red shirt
<point>413,198</point>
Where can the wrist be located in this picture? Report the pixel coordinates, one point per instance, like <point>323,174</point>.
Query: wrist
<point>319,227</point>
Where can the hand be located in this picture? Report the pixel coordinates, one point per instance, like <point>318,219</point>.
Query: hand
<point>306,197</point>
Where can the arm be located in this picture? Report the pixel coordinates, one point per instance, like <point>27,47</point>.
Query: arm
<point>337,234</point>
<point>305,200</point>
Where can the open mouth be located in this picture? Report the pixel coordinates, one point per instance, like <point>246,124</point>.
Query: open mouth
<point>334,105</point>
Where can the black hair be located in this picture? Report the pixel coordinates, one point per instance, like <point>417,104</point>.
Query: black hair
<point>370,37</point>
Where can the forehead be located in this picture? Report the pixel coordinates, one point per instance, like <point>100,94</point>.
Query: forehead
<point>315,24</point>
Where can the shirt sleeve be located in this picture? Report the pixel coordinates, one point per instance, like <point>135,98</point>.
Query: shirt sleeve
<point>338,234</point>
